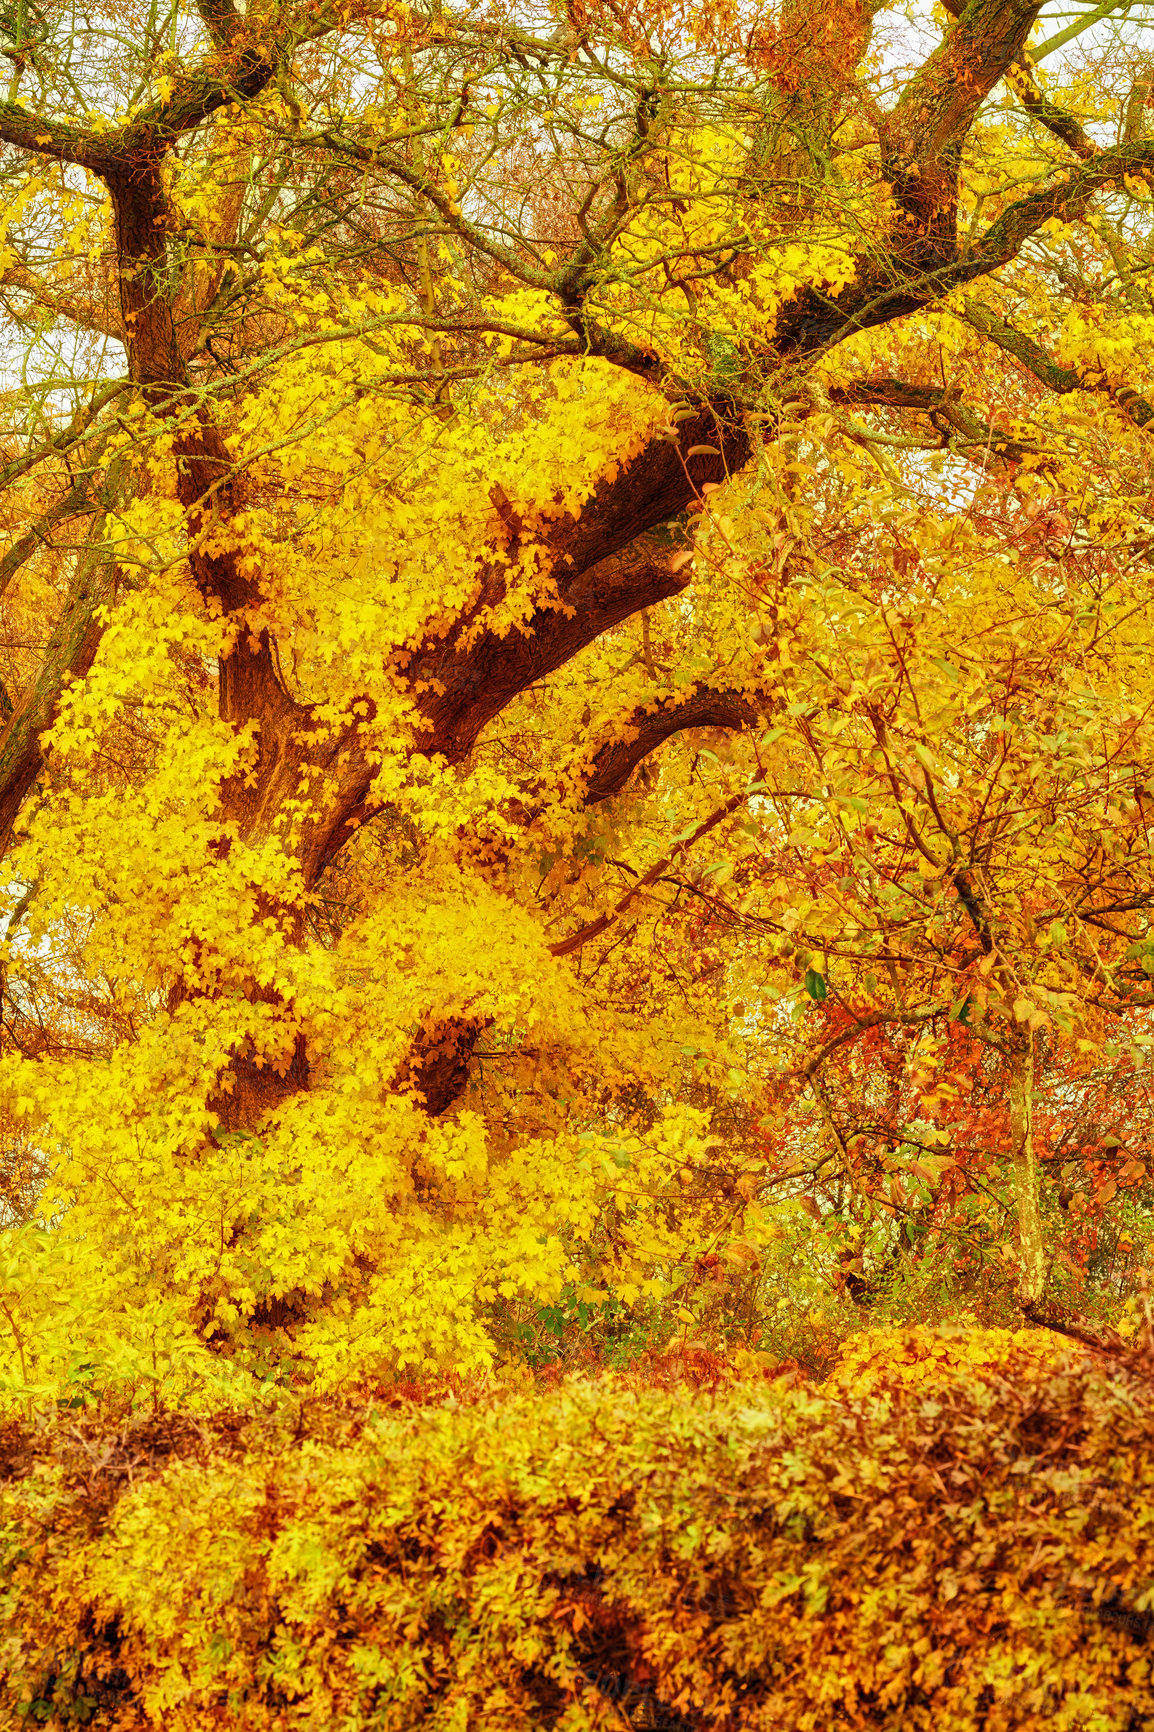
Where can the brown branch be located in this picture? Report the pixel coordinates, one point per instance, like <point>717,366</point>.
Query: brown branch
<point>468,684</point>
<point>949,416</point>
<point>195,96</point>
<point>1023,81</point>
<point>1075,1325</point>
<point>89,315</point>
<point>470,675</point>
<point>1067,199</point>
<point>69,655</point>
<point>41,137</point>
<point>567,946</point>
<point>648,728</point>
<point>922,138</point>
<point>917,275</point>
<point>1022,348</point>
<point>77,502</point>
<point>871,1019</point>
<point>221,19</point>
<point>462,680</point>
<point>68,439</point>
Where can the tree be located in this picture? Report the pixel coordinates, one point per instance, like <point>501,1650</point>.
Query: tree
<point>416,462</point>
<point>963,885</point>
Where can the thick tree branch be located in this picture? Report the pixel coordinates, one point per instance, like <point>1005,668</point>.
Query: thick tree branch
<point>1022,348</point>
<point>40,137</point>
<point>1023,81</point>
<point>88,315</point>
<point>1053,376</point>
<point>1067,199</point>
<point>1135,109</point>
<point>439,1066</point>
<point>1082,22</point>
<point>69,439</point>
<point>462,680</point>
<point>648,729</point>
<point>69,656</point>
<point>922,138</point>
<point>950,417</point>
<point>465,679</point>
<point>221,19</point>
<point>195,95</point>
<point>917,276</point>
<point>1064,125</point>
<point>77,502</point>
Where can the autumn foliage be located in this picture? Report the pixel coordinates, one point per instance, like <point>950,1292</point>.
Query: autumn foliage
<point>576,795</point>
<point>973,1553</point>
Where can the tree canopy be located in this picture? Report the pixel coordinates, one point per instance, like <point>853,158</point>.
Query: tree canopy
<point>576,619</point>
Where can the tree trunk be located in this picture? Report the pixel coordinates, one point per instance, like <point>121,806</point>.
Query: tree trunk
<point>1025,1172</point>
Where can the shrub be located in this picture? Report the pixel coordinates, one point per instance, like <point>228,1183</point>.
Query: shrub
<point>977,1553</point>
<point>912,1358</point>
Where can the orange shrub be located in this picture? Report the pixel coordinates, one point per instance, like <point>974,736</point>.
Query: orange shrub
<point>972,1555</point>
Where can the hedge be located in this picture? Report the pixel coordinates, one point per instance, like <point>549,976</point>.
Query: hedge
<point>977,1554</point>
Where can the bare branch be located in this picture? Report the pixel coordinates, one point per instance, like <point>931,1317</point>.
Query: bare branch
<point>575,941</point>
<point>88,315</point>
<point>1082,22</point>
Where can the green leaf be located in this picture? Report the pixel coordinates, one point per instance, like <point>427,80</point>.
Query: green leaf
<point>815,985</point>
